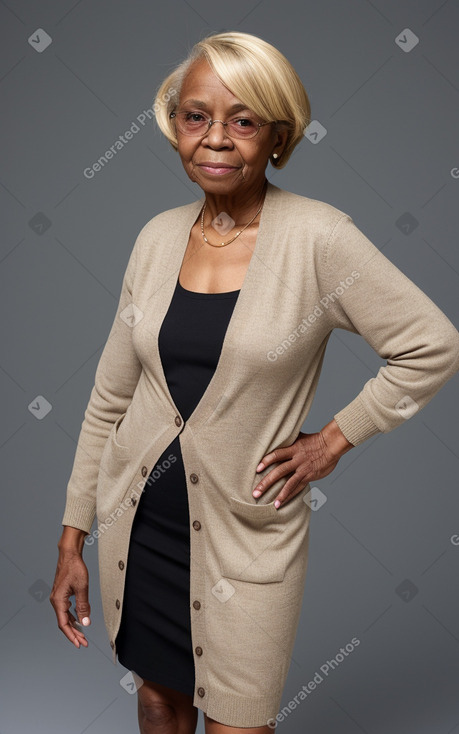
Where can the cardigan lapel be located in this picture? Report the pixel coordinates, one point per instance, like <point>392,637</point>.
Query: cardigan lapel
<point>248,291</point>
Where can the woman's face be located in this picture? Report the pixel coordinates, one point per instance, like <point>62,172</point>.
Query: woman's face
<point>244,161</point>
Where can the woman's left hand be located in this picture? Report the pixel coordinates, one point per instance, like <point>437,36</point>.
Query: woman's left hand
<point>312,456</point>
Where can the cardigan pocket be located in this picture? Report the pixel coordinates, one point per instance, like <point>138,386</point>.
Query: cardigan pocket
<point>257,549</point>
<point>115,433</point>
<point>113,474</point>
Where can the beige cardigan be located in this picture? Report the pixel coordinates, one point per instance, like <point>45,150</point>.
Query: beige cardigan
<point>312,270</point>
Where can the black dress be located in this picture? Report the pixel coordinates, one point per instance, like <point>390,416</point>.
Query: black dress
<point>154,638</point>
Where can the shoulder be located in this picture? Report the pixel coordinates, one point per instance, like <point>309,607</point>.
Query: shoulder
<point>310,216</point>
<point>323,230</point>
<point>166,222</point>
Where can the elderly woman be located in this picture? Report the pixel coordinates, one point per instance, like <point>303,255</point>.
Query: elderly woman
<point>190,453</point>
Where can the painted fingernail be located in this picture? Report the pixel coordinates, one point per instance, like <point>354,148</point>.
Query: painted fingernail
<point>85,620</point>
<point>277,504</point>
<point>256,493</point>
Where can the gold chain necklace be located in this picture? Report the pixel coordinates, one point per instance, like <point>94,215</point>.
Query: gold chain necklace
<point>222,244</point>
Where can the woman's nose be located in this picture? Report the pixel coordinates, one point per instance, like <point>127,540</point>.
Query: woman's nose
<point>217,134</point>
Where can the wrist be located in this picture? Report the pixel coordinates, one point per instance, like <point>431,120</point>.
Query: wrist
<point>71,540</point>
<point>335,439</point>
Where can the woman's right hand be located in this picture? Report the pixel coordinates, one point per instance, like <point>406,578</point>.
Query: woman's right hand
<point>71,578</point>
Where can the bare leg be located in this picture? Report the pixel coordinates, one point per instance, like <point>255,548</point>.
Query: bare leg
<point>164,710</point>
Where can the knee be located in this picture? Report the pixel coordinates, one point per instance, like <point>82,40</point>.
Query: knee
<point>156,713</point>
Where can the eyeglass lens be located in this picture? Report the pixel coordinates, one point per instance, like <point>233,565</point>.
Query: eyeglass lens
<point>195,123</point>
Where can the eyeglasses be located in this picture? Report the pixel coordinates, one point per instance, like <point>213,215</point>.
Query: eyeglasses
<point>197,124</point>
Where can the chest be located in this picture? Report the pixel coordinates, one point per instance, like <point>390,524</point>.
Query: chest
<point>208,269</point>
<point>277,322</point>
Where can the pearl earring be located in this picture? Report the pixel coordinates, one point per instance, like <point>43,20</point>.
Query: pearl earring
<point>275,155</point>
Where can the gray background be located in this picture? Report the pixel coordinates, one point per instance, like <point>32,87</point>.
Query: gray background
<point>392,504</point>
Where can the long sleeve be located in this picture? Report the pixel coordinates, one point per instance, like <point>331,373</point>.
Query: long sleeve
<point>367,294</point>
<point>116,377</point>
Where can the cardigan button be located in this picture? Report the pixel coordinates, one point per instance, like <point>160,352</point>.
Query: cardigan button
<point>178,420</point>
<point>201,692</point>
<point>194,478</point>
<point>117,604</point>
<point>197,604</point>
<point>121,565</point>
<point>144,471</point>
<point>197,525</point>
<point>198,650</point>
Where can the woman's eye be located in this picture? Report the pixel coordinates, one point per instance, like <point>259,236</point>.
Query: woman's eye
<point>243,122</point>
<point>194,116</point>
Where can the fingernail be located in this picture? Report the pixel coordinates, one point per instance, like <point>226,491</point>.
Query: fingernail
<point>277,504</point>
<point>256,492</point>
<point>260,466</point>
<point>86,620</point>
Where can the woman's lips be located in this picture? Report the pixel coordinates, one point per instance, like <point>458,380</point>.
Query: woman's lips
<point>217,171</point>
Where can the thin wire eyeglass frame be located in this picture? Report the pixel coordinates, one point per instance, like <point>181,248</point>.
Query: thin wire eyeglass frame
<point>211,122</point>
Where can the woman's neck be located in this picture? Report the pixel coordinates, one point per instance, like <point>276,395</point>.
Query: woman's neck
<point>241,207</point>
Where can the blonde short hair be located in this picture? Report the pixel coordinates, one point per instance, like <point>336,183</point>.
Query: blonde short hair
<point>255,72</point>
